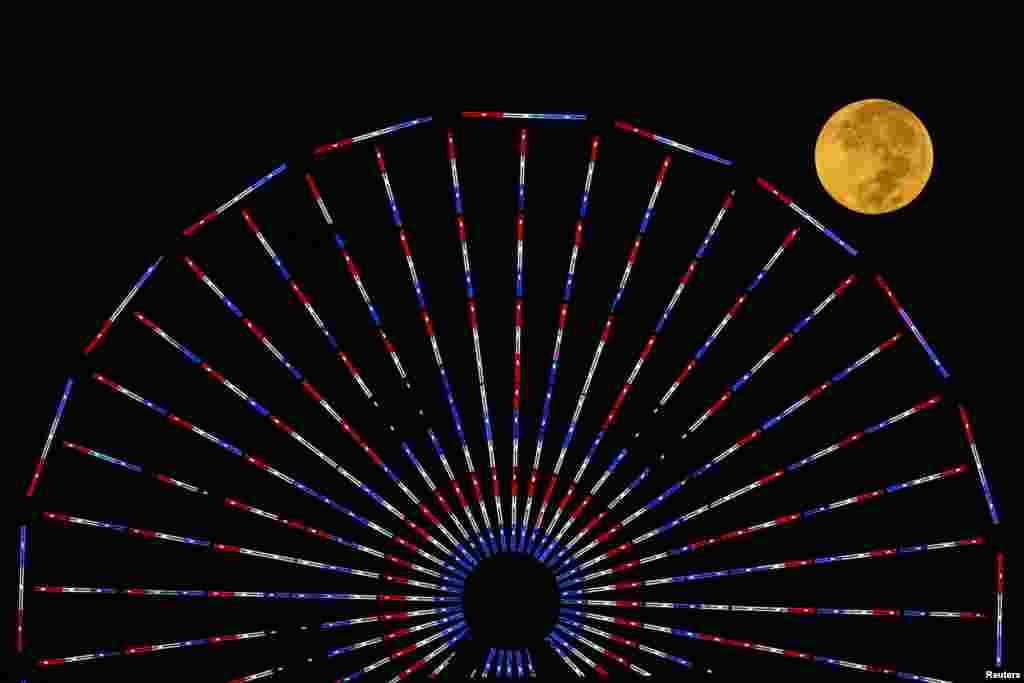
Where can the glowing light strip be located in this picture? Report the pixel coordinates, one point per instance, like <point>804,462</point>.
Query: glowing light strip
<point>134,468</point>
<point>109,322</point>
<point>323,149</point>
<point>471,311</point>
<point>789,564</point>
<point>22,542</point>
<point>773,609</point>
<point>913,328</point>
<point>505,115</point>
<point>1000,578</point>
<point>764,184</point>
<point>275,595</point>
<point>442,666</point>
<point>299,294</point>
<point>517,345</point>
<point>559,334</point>
<point>140,649</point>
<point>266,673</point>
<point>671,143</point>
<point>234,200</point>
<point>49,437</point>
<point>432,338</point>
<point>965,420</point>
<point>487,663</point>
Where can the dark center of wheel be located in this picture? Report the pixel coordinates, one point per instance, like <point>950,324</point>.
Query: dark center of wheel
<point>510,602</point>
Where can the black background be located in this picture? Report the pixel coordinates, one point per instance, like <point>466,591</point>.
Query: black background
<point>140,168</point>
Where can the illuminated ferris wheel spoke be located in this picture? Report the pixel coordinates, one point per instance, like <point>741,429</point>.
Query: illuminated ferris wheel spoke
<point>392,352</point>
<point>1000,578</point>
<point>289,430</point>
<point>563,314</point>
<point>420,663</point>
<point>252,460</point>
<point>233,503</point>
<point>156,647</point>
<point>442,666</point>
<point>765,185</point>
<point>779,345</point>
<point>347,142</point>
<point>556,646</point>
<point>472,306</point>
<point>315,396</point>
<point>775,609</point>
<point>969,432</point>
<point>671,143</point>
<point>778,521</point>
<point>572,648</point>
<point>271,595</point>
<point>22,555</point>
<point>49,437</point>
<point>740,443</point>
<point>109,322</point>
<point>435,347</point>
<point>388,637</point>
<point>259,675</point>
<point>729,316</point>
<point>623,641</point>
<point>613,413</point>
<point>788,564</point>
<point>248,552</point>
<point>805,656</point>
<point>517,339</point>
<point>630,666</point>
<point>729,393</point>
<point>912,327</point>
<point>533,545</point>
<point>234,200</point>
<point>536,117</point>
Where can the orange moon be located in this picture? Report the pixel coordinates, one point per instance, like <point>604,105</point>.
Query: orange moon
<point>874,156</point>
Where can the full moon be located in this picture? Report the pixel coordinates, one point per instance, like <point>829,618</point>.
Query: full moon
<point>874,156</point>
